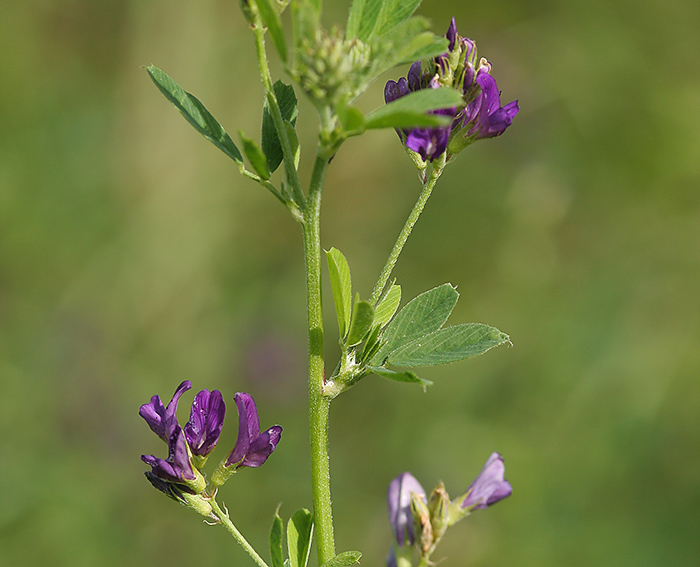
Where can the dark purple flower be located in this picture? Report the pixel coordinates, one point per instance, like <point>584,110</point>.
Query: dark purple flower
<point>206,420</point>
<point>489,487</point>
<point>430,143</point>
<point>483,116</point>
<point>163,420</point>
<point>489,119</point>
<point>252,447</point>
<point>399,503</point>
<point>177,467</point>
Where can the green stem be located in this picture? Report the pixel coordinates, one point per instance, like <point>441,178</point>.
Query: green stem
<point>428,187</point>
<point>319,404</point>
<point>290,170</point>
<point>228,524</point>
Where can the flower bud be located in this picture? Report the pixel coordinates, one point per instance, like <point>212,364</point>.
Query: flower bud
<point>421,523</point>
<point>439,507</point>
<point>330,68</point>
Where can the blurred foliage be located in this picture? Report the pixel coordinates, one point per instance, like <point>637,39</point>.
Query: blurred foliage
<point>133,256</point>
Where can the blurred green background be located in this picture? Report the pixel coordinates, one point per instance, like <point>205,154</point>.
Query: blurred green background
<point>133,256</point>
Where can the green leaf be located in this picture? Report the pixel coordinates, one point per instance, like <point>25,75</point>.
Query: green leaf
<point>272,21</point>
<point>363,18</point>
<point>408,42</point>
<point>398,376</point>
<point>293,142</point>
<point>394,12</point>
<point>276,552</point>
<point>306,17</point>
<point>344,559</point>
<point>411,111</point>
<point>351,119</point>
<point>422,315</point>
<point>388,306</point>
<point>414,43</point>
<point>300,529</point>
<point>255,155</point>
<point>361,322</point>
<point>195,113</point>
<point>270,142</point>
<point>341,284</point>
<point>448,345</point>
<point>373,343</point>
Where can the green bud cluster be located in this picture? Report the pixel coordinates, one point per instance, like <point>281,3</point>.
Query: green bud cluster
<point>430,519</point>
<point>330,68</point>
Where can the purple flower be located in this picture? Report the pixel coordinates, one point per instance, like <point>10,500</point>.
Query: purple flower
<point>399,503</point>
<point>252,447</point>
<point>483,116</point>
<point>163,420</point>
<point>177,468</point>
<point>485,113</point>
<point>489,487</point>
<point>430,143</point>
<point>206,420</point>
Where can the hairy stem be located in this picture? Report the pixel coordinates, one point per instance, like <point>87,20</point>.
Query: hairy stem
<point>319,404</point>
<point>428,187</point>
<point>228,524</point>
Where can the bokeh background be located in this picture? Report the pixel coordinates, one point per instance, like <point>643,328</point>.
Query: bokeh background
<point>133,256</point>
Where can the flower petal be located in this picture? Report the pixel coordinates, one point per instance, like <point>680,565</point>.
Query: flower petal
<point>203,429</point>
<point>414,77</point>
<point>248,427</point>
<point>399,504</point>
<point>261,448</point>
<point>489,486</point>
<point>163,421</point>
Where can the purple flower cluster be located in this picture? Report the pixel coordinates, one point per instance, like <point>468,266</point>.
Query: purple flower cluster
<point>190,446</point>
<point>482,115</point>
<point>416,519</point>
<point>428,142</point>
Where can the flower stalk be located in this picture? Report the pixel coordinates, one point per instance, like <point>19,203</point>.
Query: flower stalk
<point>411,221</point>
<point>233,530</point>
